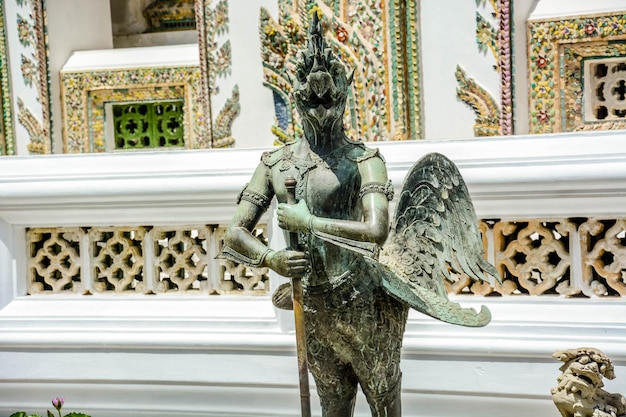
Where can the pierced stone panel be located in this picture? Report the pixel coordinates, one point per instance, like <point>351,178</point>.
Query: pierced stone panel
<point>237,278</point>
<point>603,245</point>
<point>583,257</point>
<point>533,257</point>
<point>54,260</point>
<point>181,260</point>
<point>605,89</point>
<point>117,259</point>
<point>148,125</point>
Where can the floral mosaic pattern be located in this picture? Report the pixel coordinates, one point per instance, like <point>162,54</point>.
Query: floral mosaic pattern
<point>549,106</point>
<point>170,15</point>
<point>7,137</point>
<point>223,123</point>
<point>354,30</point>
<point>486,110</point>
<point>85,93</point>
<point>215,62</point>
<point>34,67</point>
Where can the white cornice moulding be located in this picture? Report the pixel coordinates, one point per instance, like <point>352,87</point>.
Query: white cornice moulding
<point>141,57</point>
<point>564,175</point>
<point>524,327</point>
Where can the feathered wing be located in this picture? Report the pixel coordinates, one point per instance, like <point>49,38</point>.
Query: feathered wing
<point>435,232</point>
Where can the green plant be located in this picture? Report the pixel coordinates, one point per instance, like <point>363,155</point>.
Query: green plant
<point>57,403</point>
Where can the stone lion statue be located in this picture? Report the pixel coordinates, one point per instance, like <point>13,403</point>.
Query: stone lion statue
<point>579,391</point>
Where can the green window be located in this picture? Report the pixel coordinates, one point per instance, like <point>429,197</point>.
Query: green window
<point>148,125</point>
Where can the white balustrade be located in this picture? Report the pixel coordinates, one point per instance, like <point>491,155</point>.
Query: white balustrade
<point>173,354</point>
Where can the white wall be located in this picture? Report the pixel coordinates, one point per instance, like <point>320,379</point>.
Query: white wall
<point>73,25</point>
<point>521,11</point>
<point>447,40</point>
<point>253,126</point>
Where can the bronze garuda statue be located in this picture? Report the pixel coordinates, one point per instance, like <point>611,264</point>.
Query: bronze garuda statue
<point>359,278</point>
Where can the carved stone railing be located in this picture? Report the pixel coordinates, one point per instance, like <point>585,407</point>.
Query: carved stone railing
<point>573,257</point>
<point>136,260</point>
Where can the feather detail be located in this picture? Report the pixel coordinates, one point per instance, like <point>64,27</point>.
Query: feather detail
<point>435,232</point>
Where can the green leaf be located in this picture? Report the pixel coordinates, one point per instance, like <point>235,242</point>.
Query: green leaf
<point>76,415</point>
<point>23,414</point>
<point>50,413</point>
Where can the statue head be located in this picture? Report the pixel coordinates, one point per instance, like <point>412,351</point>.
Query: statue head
<point>320,88</point>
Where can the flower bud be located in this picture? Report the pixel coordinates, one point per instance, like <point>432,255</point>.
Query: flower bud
<point>58,403</point>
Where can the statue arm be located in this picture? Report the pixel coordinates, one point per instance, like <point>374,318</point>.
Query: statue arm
<point>375,224</point>
<point>239,242</point>
<point>241,246</point>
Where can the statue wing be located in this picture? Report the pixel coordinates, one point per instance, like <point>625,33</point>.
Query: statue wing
<point>435,232</point>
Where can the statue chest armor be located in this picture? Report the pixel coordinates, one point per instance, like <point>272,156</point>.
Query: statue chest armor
<point>330,187</point>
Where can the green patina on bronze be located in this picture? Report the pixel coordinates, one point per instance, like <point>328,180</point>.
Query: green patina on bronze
<point>358,279</point>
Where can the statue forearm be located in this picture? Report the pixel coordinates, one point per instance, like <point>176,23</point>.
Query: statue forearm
<point>242,247</point>
<point>373,228</point>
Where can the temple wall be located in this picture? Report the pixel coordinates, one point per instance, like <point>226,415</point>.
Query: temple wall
<point>72,27</point>
<point>448,40</point>
<point>548,179</point>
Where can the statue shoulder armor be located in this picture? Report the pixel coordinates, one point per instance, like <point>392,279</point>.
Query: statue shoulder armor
<point>271,158</point>
<point>360,153</point>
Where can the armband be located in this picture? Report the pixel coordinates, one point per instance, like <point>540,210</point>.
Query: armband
<point>253,197</point>
<point>377,187</point>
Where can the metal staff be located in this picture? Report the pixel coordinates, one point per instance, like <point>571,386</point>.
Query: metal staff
<point>298,314</point>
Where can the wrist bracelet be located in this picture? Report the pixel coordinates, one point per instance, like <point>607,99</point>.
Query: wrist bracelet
<point>311,223</point>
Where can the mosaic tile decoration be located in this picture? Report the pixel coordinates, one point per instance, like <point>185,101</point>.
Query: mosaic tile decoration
<point>7,136</point>
<point>572,89</point>
<point>85,94</point>
<point>170,15</point>
<point>384,101</point>
<point>215,62</point>
<point>32,34</point>
<point>485,107</point>
<point>505,66</point>
<point>549,68</point>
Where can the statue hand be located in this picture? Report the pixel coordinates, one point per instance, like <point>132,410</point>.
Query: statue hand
<point>294,217</point>
<point>288,263</point>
